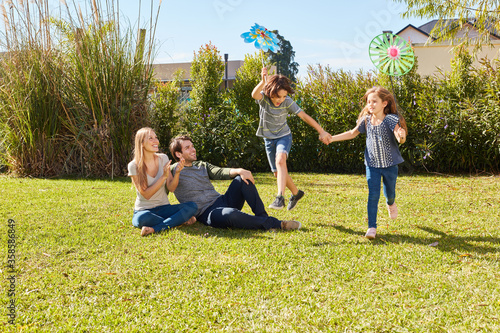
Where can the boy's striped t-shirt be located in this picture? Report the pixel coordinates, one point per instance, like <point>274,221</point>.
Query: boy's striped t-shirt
<point>273,119</point>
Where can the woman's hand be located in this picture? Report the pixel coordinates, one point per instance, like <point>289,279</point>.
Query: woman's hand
<point>173,181</point>
<point>166,170</point>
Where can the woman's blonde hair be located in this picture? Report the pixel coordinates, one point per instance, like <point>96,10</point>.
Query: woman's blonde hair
<point>386,96</point>
<point>140,137</point>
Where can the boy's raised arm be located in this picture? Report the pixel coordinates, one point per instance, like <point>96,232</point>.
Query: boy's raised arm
<point>256,92</point>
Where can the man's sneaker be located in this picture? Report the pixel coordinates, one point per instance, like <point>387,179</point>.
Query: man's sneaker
<point>278,203</point>
<point>294,199</point>
<point>290,225</point>
<point>370,233</point>
<point>393,211</point>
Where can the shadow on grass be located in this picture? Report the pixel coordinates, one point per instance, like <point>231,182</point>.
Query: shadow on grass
<point>445,242</point>
<point>202,230</point>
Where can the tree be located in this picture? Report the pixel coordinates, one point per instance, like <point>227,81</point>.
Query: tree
<point>166,108</point>
<point>207,71</point>
<point>457,16</point>
<point>206,118</point>
<point>284,58</point>
<point>247,77</point>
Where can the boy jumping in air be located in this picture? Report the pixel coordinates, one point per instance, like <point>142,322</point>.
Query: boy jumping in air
<point>275,105</point>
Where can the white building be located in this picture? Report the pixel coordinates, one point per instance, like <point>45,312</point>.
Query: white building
<point>433,56</point>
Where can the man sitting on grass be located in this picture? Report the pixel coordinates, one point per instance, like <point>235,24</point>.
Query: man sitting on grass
<point>214,209</point>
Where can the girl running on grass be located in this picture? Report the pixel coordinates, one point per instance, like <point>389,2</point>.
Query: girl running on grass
<point>149,171</point>
<point>383,125</point>
<point>275,105</point>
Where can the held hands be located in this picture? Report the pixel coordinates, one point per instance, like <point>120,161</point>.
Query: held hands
<point>325,137</point>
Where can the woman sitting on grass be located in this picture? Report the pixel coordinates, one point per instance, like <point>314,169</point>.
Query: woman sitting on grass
<point>149,171</point>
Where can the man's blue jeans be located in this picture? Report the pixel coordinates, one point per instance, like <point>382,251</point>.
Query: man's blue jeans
<point>226,212</point>
<point>373,177</point>
<point>165,216</point>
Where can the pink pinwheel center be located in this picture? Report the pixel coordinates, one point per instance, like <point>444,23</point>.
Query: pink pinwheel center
<point>393,52</point>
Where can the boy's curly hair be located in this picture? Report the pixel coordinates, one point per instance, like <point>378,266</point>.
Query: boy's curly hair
<point>275,83</point>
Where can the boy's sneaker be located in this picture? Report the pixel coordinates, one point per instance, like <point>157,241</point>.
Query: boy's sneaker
<point>290,225</point>
<point>278,203</point>
<point>393,211</point>
<point>294,199</point>
<point>371,233</point>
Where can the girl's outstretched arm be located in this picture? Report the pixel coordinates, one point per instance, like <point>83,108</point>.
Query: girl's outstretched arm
<point>258,88</point>
<point>345,136</point>
<point>400,134</point>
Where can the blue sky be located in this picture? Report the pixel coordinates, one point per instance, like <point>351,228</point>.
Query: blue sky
<point>334,33</point>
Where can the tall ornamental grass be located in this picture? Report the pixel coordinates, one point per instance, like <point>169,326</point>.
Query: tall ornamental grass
<point>74,88</point>
<point>31,80</point>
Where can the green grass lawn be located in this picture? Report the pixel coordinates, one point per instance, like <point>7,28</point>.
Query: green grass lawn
<point>82,267</point>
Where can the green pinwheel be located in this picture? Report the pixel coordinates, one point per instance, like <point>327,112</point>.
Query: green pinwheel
<point>391,54</point>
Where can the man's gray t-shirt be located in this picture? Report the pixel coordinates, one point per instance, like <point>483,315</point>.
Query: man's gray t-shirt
<point>272,119</point>
<point>194,184</point>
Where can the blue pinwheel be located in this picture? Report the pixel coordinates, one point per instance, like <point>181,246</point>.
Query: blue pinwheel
<point>264,39</point>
